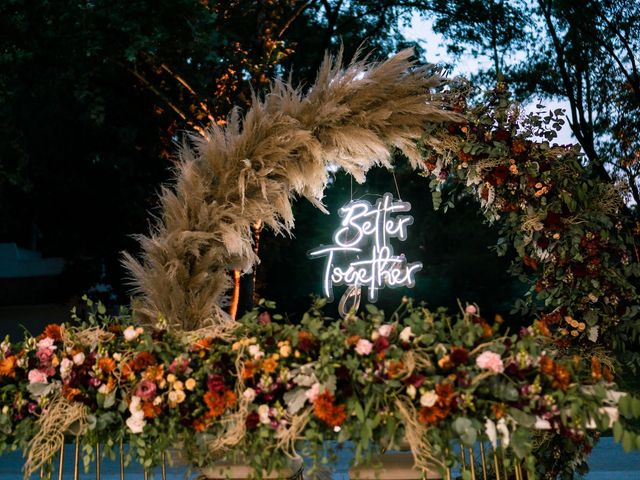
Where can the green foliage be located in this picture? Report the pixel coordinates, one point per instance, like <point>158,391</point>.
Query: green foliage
<point>569,229</point>
<point>366,379</point>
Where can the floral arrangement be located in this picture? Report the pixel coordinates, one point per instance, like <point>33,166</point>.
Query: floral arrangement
<point>279,389</point>
<point>574,238</point>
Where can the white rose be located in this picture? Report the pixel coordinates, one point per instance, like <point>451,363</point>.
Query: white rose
<point>136,423</point>
<point>428,399</point>
<point>263,413</point>
<point>46,342</point>
<point>254,351</point>
<point>411,391</point>
<point>385,330</point>
<point>104,389</point>
<point>65,368</point>
<point>134,406</point>
<point>249,394</point>
<point>130,334</point>
<point>78,358</point>
<point>406,334</point>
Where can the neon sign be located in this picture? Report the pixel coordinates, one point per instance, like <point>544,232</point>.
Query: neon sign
<point>364,238</point>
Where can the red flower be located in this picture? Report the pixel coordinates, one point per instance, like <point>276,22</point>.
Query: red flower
<point>381,343</point>
<point>252,421</point>
<point>215,383</point>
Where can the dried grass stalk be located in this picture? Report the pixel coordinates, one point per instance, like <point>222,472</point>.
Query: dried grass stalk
<point>85,337</point>
<point>416,434</point>
<point>251,169</point>
<point>287,438</point>
<point>53,424</point>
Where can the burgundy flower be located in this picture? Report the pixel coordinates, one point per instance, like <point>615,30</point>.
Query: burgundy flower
<point>381,343</point>
<point>146,390</point>
<point>252,421</point>
<point>553,221</point>
<point>543,242</point>
<point>459,355</point>
<point>579,270</point>
<point>416,380</point>
<point>95,382</point>
<point>215,383</point>
<point>501,135</point>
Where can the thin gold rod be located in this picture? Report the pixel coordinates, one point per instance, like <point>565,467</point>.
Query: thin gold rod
<point>472,464</point>
<point>496,466</point>
<point>446,454</point>
<point>483,462</point>
<point>464,463</point>
<point>98,461</point>
<point>519,472</point>
<point>121,460</point>
<point>504,464</point>
<point>146,474</point>
<point>61,464</point>
<point>76,462</point>
<point>164,465</point>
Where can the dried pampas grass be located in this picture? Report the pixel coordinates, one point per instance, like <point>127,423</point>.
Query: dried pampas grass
<point>251,169</point>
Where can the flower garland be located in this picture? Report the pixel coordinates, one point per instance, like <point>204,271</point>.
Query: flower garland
<point>568,227</point>
<point>290,388</point>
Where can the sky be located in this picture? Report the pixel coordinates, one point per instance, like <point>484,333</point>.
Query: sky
<point>421,31</point>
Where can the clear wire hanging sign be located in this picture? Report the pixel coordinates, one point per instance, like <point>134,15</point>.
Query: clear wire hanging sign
<point>362,255</point>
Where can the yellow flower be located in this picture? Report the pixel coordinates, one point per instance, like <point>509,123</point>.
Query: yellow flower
<point>178,385</point>
<point>190,384</point>
<point>171,378</point>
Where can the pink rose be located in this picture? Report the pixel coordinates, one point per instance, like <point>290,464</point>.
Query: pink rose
<point>490,361</point>
<point>264,318</point>
<point>44,355</point>
<point>363,347</point>
<point>385,330</point>
<point>146,390</point>
<point>37,376</point>
<point>471,309</point>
